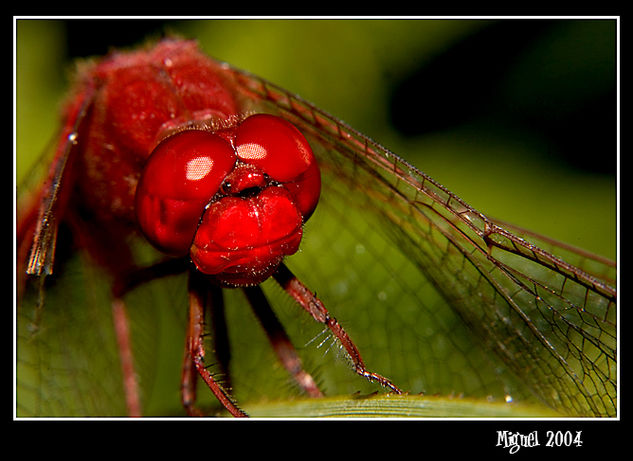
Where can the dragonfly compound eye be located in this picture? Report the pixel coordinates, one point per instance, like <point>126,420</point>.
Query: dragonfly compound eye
<point>281,151</point>
<point>180,177</point>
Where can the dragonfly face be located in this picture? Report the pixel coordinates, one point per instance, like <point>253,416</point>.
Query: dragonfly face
<point>235,200</point>
<point>403,244</point>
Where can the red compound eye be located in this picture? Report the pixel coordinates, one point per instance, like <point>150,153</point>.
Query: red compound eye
<point>281,151</point>
<point>179,179</point>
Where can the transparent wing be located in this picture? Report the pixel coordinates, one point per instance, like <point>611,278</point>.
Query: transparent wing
<point>501,303</point>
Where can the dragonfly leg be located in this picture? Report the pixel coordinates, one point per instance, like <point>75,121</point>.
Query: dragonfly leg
<point>188,382</point>
<point>280,341</point>
<point>315,307</point>
<point>194,352</point>
<point>222,352</point>
<point>198,292</point>
<point>221,344</point>
<point>122,331</point>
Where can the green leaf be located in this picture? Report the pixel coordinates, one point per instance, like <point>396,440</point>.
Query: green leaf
<point>396,406</point>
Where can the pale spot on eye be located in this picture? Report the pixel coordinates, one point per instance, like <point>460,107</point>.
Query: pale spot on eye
<point>199,167</point>
<point>251,151</point>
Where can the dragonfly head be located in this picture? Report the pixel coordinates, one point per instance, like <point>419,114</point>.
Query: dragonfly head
<point>235,200</point>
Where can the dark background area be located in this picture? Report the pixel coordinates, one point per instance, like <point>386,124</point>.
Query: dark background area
<point>461,84</point>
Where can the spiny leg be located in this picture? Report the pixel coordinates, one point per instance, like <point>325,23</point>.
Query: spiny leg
<point>280,340</point>
<point>198,291</point>
<point>194,351</point>
<point>220,333</point>
<point>215,304</point>
<point>315,307</point>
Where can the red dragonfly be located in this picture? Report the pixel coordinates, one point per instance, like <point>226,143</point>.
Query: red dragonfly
<point>529,316</point>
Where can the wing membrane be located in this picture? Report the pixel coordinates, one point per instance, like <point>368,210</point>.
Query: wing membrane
<point>551,323</point>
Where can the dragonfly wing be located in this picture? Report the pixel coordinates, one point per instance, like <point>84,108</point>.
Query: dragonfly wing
<point>551,323</point>
<point>57,188</point>
<point>600,268</point>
